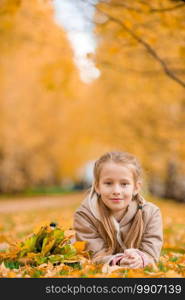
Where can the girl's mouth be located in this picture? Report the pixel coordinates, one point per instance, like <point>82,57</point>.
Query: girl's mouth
<point>116,199</point>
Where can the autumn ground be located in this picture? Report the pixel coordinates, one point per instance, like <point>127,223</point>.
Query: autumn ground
<point>20,217</point>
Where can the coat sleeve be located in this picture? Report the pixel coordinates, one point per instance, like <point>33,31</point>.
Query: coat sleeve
<point>152,239</point>
<point>85,230</point>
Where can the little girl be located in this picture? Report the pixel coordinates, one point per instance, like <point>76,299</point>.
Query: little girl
<point>118,224</point>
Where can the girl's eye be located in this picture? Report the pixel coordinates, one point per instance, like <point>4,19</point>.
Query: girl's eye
<point>108,183</point>
<point>124,183</point>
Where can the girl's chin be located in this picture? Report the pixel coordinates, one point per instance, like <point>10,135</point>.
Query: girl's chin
<point>118,206</point>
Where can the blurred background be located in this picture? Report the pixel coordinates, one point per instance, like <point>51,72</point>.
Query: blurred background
<point>78,78</point>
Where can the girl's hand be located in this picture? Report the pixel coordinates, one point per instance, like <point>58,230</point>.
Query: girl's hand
<point>131,259</point>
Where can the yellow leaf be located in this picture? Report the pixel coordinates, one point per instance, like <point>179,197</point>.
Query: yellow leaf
<point>11,274</point>
<point>135,273</point>
<point>172,274</point>
<point>41,224</point>
<point>80,246</point>
<point>48,247</point>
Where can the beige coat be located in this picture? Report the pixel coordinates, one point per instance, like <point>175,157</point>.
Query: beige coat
<point>88,227</point>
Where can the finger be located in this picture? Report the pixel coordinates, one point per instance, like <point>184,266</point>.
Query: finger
<point>137,264</point>
<point>131,254</point>
<point>134,265</point>
<point>124,264</point>
<point>131,259</point>
<point>127,254</point>
<point>130,262</point>
<point>126,261</point>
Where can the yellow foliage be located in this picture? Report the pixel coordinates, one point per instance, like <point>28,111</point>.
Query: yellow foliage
<point>132,106</point>
<point>11,274</point>
<point>80,246</point>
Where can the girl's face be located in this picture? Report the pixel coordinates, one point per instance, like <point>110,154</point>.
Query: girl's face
<point>116,186</point>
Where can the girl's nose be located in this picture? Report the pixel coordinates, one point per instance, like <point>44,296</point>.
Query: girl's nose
<point>116,189</point>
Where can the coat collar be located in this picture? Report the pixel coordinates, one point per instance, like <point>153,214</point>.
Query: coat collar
<point>92,202</point>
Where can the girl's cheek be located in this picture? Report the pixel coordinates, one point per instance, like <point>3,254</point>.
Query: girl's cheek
<point>130,189</point>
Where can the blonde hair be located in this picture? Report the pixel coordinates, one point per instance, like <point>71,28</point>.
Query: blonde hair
<point>134,235</point>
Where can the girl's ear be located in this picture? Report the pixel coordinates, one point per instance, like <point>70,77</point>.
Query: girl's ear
<point>96,188</point>
<point>137,187</point>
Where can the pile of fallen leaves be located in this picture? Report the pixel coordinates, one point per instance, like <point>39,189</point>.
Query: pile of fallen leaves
<point>51,245</point>
<point>49,252</point>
